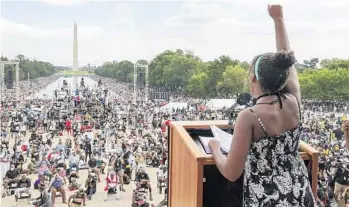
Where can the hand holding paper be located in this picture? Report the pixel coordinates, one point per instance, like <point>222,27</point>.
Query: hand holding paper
<point>221,140</point>
<point>223,137</point>
<point>214,144</point>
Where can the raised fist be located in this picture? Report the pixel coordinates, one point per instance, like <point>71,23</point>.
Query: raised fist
<point>275,11</point>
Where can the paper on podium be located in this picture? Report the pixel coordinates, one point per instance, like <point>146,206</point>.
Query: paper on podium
<point>220,135</point>
<point>223,137</point>
<point>204,141</point>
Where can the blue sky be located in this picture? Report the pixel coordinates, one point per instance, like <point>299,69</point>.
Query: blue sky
<point>118,30</point>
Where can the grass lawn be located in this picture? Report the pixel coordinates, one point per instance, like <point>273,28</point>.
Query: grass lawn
<point>77,73</point>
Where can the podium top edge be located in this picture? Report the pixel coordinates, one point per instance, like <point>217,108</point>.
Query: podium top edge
<point>189,124</point>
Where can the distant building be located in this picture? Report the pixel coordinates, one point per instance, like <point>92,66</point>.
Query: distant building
<point>88,67</point>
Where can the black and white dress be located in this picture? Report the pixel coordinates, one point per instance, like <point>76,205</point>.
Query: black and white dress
<point>275,174</point>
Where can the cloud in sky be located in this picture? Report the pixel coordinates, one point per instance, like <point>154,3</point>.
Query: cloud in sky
<point>14,28</point>
<point>244,29</point>
<point>64,2</point>
<point>240,28</point>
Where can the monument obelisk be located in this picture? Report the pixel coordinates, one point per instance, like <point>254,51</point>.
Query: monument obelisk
<point>75,48</point>
<point>75,57</point>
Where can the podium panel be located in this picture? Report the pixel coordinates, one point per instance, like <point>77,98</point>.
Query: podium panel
<point>220,192</point>
<point>195,181</point>
<point>184,174</point>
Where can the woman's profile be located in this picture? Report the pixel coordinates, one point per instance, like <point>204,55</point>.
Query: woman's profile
<point>266,136</point>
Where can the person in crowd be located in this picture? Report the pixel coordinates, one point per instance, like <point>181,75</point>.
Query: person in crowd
<point>139,198</point>
<point>12,176</point>
<point>57,186</point>
<point>23,185</point>
<point>341,179</point>
<point>162,176</point>
<point>44,200</point>
<point>100,164</point>
<point>118,168</point>
<point>338,133</point>
<point>91,186</point>
<point>74,161</point>
<point>78,199</point>
<point>40,179</point>
<point>92,163</point>
<point>68,126</point>
<point>112,181</point>
<point>88,149</point>
<point>143,180</point>
<point>271,126</point>
<point>72,179</point>
<point>345,128</point>
<point>18,162</point>
<point>60,146</point>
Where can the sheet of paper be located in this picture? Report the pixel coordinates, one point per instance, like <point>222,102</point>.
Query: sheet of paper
<point>223,137</point>
<point>205,140</point>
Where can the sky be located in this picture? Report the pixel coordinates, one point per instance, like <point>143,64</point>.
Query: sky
<point>134,30</point>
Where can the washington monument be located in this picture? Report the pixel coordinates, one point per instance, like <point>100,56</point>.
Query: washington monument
<point>75,48</point>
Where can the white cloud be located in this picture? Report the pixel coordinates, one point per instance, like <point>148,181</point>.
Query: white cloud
<point>123,15</point>
<point>335,4</point>
<point>239,28</point>
<point>64,2</point>
<point>243,29</point>
<point>14,28</point>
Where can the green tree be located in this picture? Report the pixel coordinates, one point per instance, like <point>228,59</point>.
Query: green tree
<point>215,70</point>
<point>156,67</point>
<point>34,68</point>
<point>245,65</point>
<point>197,85</point>
<point>311,63</point>
<point>224,75</point>
<point>124,71</point>
<point>172,69</point>
<point>325,84</point>
<point>233,80</point>
<point>108,69</point>
<point>335,63</point>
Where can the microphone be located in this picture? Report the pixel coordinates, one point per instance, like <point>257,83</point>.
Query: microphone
<point>244,99</point>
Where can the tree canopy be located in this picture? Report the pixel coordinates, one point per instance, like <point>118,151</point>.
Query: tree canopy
<point>35,68</point>
<point>224,76</point>
<point>121,71</point>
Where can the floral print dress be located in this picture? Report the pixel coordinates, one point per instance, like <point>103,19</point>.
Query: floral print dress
<point>275,174</point>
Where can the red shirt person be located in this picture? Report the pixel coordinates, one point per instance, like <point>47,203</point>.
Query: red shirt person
<point>68,126</point>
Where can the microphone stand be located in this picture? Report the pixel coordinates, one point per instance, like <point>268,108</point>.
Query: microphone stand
<point>243,99</point>
<point>231,119</point>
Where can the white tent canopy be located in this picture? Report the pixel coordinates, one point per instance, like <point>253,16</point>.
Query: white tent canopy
<point>174,105</point>
<point>216,104</point>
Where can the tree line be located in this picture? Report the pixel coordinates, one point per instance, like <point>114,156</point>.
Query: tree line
<point>224,76</point>
<point>35,68</point>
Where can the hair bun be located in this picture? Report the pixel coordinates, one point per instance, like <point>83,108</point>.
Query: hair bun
<point>284,59</point>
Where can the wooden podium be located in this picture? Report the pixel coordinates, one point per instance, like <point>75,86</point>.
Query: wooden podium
<point>194,180</point>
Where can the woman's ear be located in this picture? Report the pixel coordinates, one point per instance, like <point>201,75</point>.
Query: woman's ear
<point>253,78</point>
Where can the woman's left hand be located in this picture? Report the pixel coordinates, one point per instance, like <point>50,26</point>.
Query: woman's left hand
<point>214,145</point>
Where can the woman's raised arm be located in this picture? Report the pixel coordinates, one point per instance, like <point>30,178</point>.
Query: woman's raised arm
<point>282,43</point>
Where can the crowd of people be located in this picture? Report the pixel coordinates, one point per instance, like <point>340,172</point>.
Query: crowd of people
<point>27,89</point>
<point>95,130</point>
<point>46,143</point>
<point>323,129</point>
